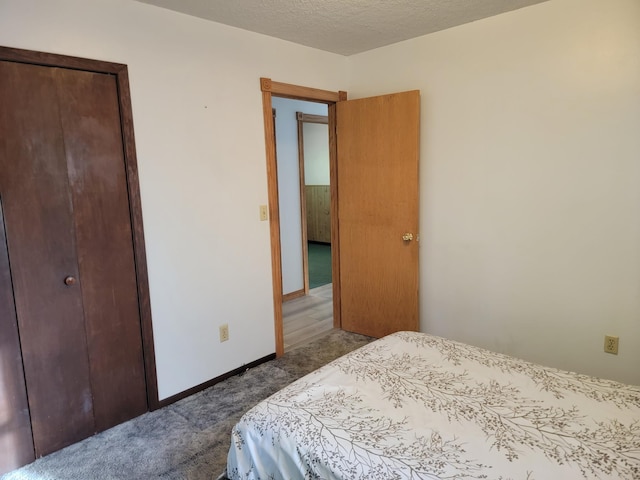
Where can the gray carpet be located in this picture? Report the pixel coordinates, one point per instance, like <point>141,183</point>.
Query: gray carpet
<point>190,438</point>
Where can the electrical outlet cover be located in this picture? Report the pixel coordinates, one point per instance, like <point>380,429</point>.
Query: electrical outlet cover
<point>224,333</point>
<point>611,344</point>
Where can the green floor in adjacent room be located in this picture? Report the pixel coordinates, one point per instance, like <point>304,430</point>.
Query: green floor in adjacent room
<point>319,264</point>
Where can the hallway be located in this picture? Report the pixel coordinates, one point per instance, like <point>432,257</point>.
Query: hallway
<point>308,318</point>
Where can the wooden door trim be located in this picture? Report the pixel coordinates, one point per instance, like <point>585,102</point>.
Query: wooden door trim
<point>270,88</point>
<point>310,118</point>
<point>300,116</point>
<point>297,92</point>
<point>120,72</point>
<point>335,224</point>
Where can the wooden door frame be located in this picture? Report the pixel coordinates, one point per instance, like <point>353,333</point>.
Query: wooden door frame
<point>303,118</point>
<point>120,72</point>
<point>269,89</point>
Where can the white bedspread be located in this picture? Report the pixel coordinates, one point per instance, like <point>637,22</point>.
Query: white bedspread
<point>414,406</point>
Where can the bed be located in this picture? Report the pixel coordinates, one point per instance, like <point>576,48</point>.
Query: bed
<point>416,406</point>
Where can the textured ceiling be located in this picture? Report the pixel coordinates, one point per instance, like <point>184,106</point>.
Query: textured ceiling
<point>343,26</point>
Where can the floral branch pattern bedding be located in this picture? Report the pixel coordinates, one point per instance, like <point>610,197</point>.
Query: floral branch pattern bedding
<point>415,406</point>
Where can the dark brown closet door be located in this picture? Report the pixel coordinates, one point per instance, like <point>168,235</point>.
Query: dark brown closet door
<point>90,118</point>
<point>62,181</point>
<point>42,251</point>
<point>16,444</point>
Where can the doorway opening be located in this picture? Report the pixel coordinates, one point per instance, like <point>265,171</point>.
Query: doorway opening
<point>304,202</point>
<point>315,193</point>
<point>376,203</point>
<point>270,91</point>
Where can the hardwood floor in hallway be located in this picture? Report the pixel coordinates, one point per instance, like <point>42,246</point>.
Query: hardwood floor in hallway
<point>308,318</point>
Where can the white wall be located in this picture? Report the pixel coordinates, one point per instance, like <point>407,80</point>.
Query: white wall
<point>316,153</point>
<point>530,179</point>
<point>289,187</point>
<point>197,112</point>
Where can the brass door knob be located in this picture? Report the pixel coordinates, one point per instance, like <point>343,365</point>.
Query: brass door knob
<point>407,237</point>
<point>68,281</point>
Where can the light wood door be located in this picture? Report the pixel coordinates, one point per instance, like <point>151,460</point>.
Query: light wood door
<point>378,156</point>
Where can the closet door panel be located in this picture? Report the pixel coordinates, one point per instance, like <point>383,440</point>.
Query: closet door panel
<point>41,243</point>
<point>90,119</point>
<point>16,443</point>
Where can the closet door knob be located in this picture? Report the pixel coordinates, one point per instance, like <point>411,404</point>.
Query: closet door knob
<point>70,280</point>
<point>407,237</point>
